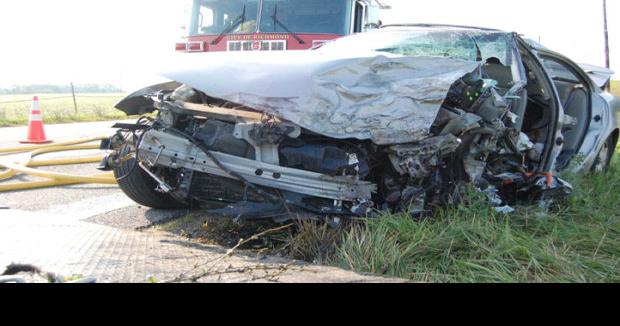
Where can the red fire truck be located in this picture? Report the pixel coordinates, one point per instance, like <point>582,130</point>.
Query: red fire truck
<point>274,25</point>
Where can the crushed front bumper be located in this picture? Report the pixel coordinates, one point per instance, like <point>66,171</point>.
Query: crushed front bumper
<point>160,148</point>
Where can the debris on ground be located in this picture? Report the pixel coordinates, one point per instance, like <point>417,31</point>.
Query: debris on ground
<point>24,273</point>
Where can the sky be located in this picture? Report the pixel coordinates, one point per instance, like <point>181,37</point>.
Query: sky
<point>121,42</point>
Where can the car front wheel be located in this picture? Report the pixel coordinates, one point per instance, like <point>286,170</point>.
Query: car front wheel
<point>139,186</point>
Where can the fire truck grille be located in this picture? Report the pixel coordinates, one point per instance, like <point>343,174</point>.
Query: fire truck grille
<point>234,46</point>
<point>279,45</point>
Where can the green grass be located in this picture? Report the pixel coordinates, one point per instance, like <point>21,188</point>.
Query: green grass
<point>615,87</point>
<point>578,242</point>
<point>59,108</point>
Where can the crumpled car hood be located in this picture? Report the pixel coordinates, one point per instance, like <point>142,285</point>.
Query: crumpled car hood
<point>387,99</point>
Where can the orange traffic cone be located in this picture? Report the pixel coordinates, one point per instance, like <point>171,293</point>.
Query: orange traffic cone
<point>36,132</point>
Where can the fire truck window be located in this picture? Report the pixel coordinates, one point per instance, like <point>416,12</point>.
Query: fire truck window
<point>303,16</point>
<point>211,17</point>
<point>206,18</point>
<point>359,17</point>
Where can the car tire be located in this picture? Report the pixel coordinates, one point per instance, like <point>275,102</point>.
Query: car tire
<point>139,186</point>
<point>603,159</point>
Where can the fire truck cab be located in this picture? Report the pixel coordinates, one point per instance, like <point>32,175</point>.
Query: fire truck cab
<point>274,25</point>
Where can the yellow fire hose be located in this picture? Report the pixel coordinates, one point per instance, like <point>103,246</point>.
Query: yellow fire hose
<point>23,149</point>
<point>26,165</point>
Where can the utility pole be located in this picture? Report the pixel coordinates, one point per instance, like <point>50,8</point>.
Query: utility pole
<point>75,107</point>
<point>607,63</point>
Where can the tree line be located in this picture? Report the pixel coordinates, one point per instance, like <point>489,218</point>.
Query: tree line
<point>54,89</point>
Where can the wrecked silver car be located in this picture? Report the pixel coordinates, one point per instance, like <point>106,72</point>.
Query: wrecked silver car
<point>396,119</point>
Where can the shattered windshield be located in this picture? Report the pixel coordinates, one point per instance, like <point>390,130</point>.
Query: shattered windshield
<point>463,45</point>
<point>212,17</point>
<point>304,16</point>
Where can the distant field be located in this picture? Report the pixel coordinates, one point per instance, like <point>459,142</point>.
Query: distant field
<point>615,87</point>
<point>59,108</point>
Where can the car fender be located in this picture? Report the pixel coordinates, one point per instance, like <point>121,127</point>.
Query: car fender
<point>606,107</point>
<point>140,102</point>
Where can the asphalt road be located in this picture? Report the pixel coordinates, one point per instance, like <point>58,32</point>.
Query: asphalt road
<point>96,231</point>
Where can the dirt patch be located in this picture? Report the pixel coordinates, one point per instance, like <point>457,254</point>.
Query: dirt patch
<point>207,228</point>
<point>311,241</point>
<point>307,241</point>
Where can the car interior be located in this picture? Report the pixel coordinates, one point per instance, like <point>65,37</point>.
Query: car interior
<point>539,107</point>
<point>532,106</point>
<point>494,69</point>
<point>535,107</point>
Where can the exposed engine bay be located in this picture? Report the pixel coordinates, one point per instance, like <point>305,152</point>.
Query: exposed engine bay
<point>202,150</point>
<point>396,121</point>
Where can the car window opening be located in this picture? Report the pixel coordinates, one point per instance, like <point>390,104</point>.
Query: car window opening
<point>574,97</point>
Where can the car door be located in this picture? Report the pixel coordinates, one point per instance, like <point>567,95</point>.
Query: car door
<point>575,96</point>
<point>543,95</point>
